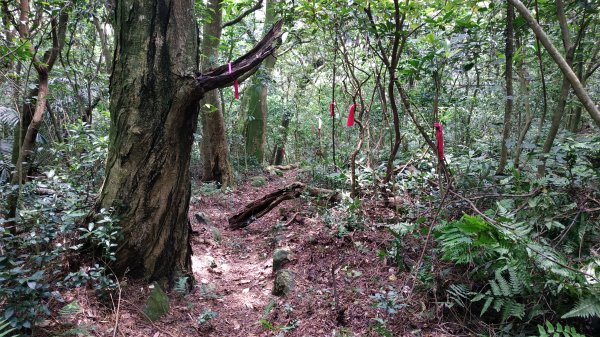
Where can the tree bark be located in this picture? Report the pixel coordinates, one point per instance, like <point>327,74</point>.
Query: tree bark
<point>508,105</point>
<point>256,123</point>
<point>258,208</point>
<point>213,147</point>
<point>565,88</point>
<point>262,206</point>
<point>580,91</point>
<point>155,90</point>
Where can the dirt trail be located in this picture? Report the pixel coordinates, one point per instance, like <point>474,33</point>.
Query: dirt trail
<point>343,286</point>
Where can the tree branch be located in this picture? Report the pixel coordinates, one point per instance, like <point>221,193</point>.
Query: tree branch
<point>220,77</point>
<point>244,14</point>
<point>580,91</point>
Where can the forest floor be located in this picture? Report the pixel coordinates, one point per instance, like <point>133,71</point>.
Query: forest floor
<point>343,286</point>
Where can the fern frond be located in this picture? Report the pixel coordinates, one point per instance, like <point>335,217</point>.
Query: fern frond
<point>8,117</point>
<point>551,330</point>
<point>586,307</point>
<point>70,309</point>
<point>5,329</point>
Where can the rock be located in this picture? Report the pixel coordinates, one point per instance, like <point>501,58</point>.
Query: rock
<point>284,282</point>
<point>258,181</point>
<point>157,304</point>
<point>280,258</point>
<point>210,261</point>
<point>203,219</point>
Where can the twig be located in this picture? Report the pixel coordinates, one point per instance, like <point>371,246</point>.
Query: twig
<point>243,15</point>
<point>564,233</point>
<point>118,313</point>
<point>291,220</point>
<point>420,260</point>
<point>534,192</point>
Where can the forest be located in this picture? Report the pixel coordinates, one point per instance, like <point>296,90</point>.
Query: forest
<point>299,168</point>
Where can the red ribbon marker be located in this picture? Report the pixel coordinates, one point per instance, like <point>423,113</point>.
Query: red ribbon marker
<point>351,115</point>
<point>235,85</point>
<point>313,129</point>
<point>331,106</point>
<point>439,134</point>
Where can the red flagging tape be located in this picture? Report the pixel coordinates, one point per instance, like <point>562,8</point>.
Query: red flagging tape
<point>351,115</point>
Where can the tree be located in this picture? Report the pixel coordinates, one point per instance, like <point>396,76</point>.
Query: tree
<point>510,14</point>
<point>35,103</point>
<point>214,150</point>
<point>155,89</point>
<point>569,74</point>
<point>256,123</point>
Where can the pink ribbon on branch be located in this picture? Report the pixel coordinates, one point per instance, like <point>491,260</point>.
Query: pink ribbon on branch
<point>351,115</point>
<point>439,135</point>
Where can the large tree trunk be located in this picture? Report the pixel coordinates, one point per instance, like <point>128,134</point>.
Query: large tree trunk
<point>152,124</point>
<point>214,149</point>
<point>155,90</point>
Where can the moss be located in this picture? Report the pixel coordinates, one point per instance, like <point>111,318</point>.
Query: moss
<point>157,304</point>
<point>258,181</point>
<point>284,282</point>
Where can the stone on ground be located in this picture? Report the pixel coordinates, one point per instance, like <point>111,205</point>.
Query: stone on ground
<point>284,282</point>
<point>157,304</point>
<point>280,258</point>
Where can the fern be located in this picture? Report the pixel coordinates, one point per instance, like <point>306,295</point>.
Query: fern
<point>557,331</point>
<point>502,293</point>
<point>69,309</point>
<point>586,307</point>
<point>8,117</point>
<point>181,286</point>
<point>5,329</point>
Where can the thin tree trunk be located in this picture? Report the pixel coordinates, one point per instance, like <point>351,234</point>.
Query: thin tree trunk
<point>580,91</point>
<point>557,116</point>
<point>508,107</point>
<point>524,97</point>
<point>280,148</point>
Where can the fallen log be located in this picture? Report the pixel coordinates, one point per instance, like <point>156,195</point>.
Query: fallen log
<point>262,206</point>
<point>282,167</point>
<point>323,193</point>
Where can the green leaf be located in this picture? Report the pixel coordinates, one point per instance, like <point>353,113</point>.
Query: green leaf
<point>586,308</point>
<point>486,305</point>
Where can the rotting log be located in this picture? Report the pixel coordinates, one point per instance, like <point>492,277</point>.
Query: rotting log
<point>282,167</point>
<point>262,206</point>
<point>329,195</point>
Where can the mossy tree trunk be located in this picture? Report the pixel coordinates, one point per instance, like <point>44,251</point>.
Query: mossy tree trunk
<point>155,90</point>
<point>256,122</point>
<point>214,149</point>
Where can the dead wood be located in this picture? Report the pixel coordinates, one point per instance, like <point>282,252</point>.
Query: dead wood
<point>262,206</point>
<point>282,167</point>
<point>330,195</point>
